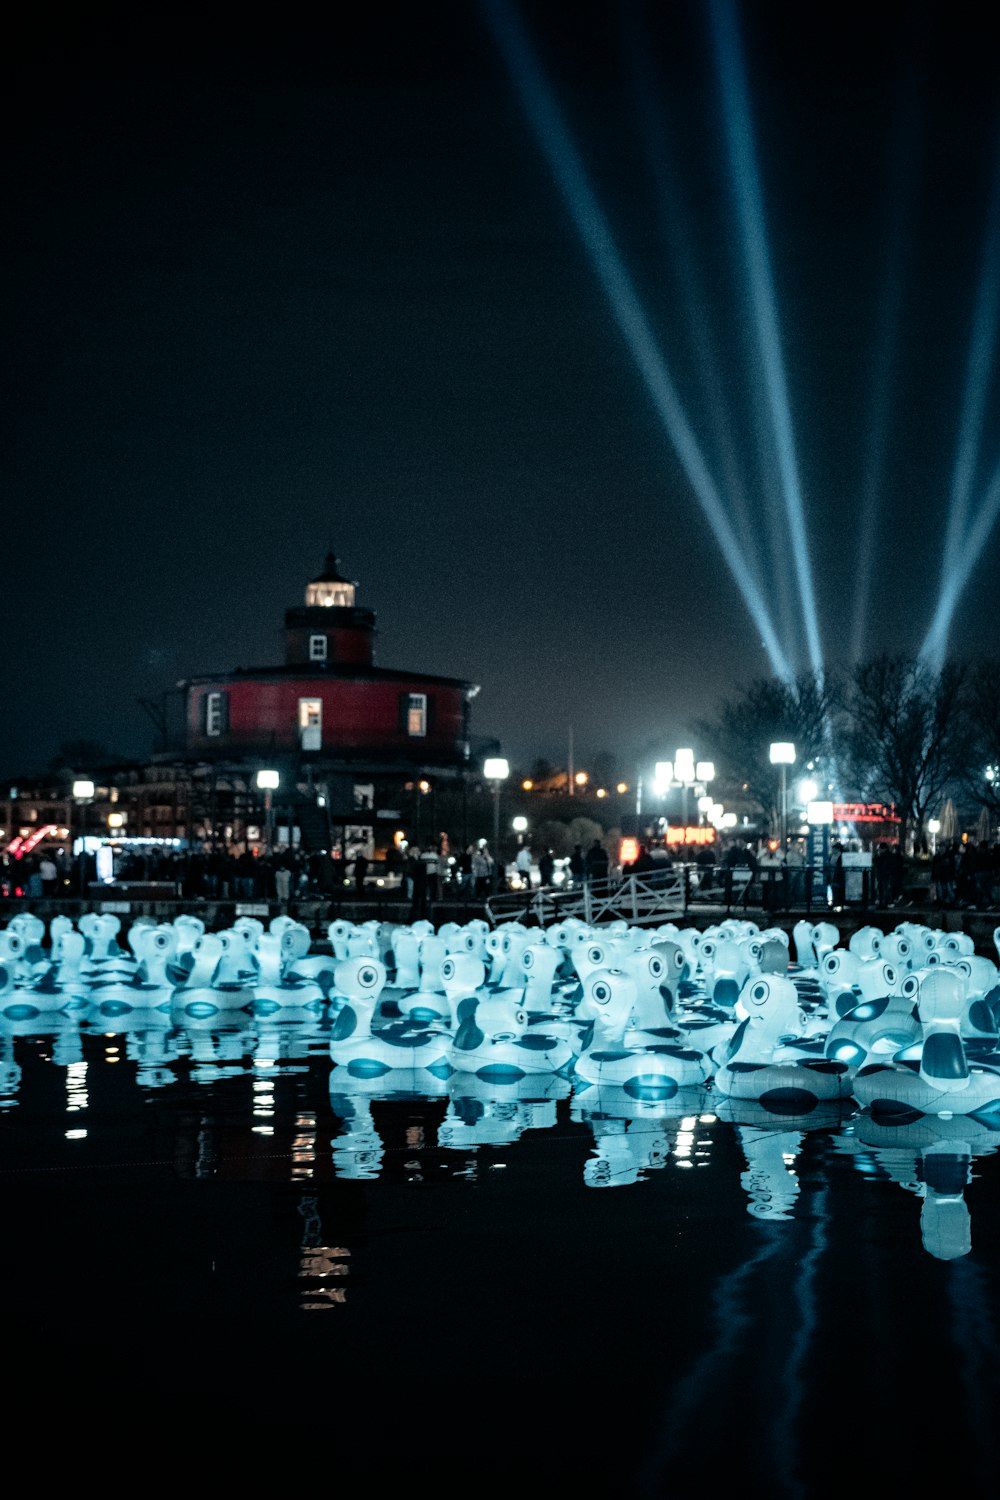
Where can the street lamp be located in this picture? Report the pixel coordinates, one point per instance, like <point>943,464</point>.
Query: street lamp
<point>684,772</point>
<point>496,770</point>
<point>933,828</point>
<point>83,795</point>
<point>783,755</point>
<point>268,782</point>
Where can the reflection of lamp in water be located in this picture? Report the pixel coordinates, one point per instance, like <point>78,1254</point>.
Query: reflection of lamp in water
<point>83,795</point>
<point>496,770</point>
<point>268,782</point>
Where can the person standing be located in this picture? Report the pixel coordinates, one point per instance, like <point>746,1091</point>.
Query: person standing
<point>598,864</point>
<point>522,863</point>
<point>481,871</point>
<point>418,875</point>
<point>49,872</point>
<point>547,867</point>
<point>578,865</point>
<point>795,875</point>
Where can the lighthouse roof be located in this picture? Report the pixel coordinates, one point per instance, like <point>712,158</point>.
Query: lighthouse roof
<point>330,573</point>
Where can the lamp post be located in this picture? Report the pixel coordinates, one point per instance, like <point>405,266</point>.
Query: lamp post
<point>684,772</point>
<point>268,782</point>
<point>933,828</point>
<point>496,770</point>
<point>783,755</point>
<point>83,796</point>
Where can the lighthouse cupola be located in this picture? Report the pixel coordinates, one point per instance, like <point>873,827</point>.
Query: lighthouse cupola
<point>329,630</point>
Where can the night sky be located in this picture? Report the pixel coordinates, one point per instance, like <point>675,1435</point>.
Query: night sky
<point>285,281</point>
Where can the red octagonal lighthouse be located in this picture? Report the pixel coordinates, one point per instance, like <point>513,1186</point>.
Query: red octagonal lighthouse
<point>329,702</point>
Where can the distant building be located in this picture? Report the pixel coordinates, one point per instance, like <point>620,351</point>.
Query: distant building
<point>359,748</point>
<point>328,702</point>
<point>361,752</point>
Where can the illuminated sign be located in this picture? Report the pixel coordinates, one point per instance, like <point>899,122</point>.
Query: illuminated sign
<point>864,812</point>
<point>690,835</point>
<point>628,851</point>
<point>23,844</point>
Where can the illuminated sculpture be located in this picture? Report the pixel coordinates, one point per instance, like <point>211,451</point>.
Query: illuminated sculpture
<point>654,1071</point>
<point>656,971</point>
<point>146,984</point>
<point>366,1050</point>
<point>805,951</point>
<point>494,1040</point>
<point>981,1015</point>
<point>866,942</point>
<point>727,963</point>
<point>281,987</point>
<point>63,985</point>
<point>406,956</point>
<point>459,974</point>
<point>874,1030</point>
<point>761,1062</point>
<point>838,982</point>
<point>497,947</point>
<point>538,962</point>
<point>941,1081</point>
<point>897,948</point>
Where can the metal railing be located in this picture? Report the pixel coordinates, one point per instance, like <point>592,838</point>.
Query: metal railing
<point>639,899</point>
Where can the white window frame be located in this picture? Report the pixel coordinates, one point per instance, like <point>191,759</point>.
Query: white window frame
<point>416,715</point>
<point>311,723</point>
<point>317,647</point>
<point>215,714</point>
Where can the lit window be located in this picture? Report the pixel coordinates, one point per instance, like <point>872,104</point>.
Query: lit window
<point>416,714</point>
<point>216,714</point>
<point>317,648</point>
<point>311,723</point>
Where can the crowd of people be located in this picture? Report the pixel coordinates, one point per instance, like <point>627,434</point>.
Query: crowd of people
<point>962,875</point>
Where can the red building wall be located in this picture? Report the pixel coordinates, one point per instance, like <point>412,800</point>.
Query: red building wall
<point>358,715</point>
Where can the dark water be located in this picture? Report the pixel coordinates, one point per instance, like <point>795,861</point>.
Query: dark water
<point>224,1267</point>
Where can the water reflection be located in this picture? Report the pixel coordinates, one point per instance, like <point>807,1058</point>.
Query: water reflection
<point>933,1158</point>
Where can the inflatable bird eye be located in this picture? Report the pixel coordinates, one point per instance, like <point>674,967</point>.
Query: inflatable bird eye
<point>595,955</point>
<point>367,976</point>
<point>448,969</point>
<point>601,992</point>
<point>759,992</point>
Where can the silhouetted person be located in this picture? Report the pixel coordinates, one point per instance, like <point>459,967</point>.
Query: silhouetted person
<point>598,863</point>
<point>418,874</point>
<point>578,864</point>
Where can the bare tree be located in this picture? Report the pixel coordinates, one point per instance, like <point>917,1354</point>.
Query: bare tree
<point>802,712</point>
<point>906,738</point>
<point>981,780</point>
